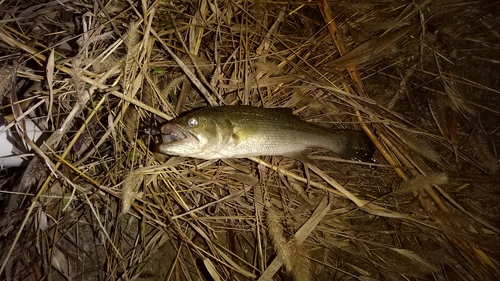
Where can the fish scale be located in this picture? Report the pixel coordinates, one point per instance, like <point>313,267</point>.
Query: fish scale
<point>278,131</point>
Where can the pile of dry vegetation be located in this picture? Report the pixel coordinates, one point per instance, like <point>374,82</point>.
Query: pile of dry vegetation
<point>97,202</point>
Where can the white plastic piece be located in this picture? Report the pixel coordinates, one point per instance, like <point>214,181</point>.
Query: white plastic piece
<point>8,155</point>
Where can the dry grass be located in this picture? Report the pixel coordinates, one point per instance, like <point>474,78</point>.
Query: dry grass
<point>98,203</point>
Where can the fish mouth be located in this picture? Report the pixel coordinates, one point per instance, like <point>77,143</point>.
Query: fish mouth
<point>172,133</point>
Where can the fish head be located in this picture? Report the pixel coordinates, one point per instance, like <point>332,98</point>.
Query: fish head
<point>197,134</point>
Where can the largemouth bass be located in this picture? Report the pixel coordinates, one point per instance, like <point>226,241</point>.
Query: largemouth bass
<point>245,131</point>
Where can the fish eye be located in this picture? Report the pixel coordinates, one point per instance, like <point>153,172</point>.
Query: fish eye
<point>192,122</point>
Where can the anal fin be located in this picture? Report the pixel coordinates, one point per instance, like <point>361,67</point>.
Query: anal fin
<point>302,156</point>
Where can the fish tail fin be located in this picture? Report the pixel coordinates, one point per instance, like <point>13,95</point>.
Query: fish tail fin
<point>356,146</point>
